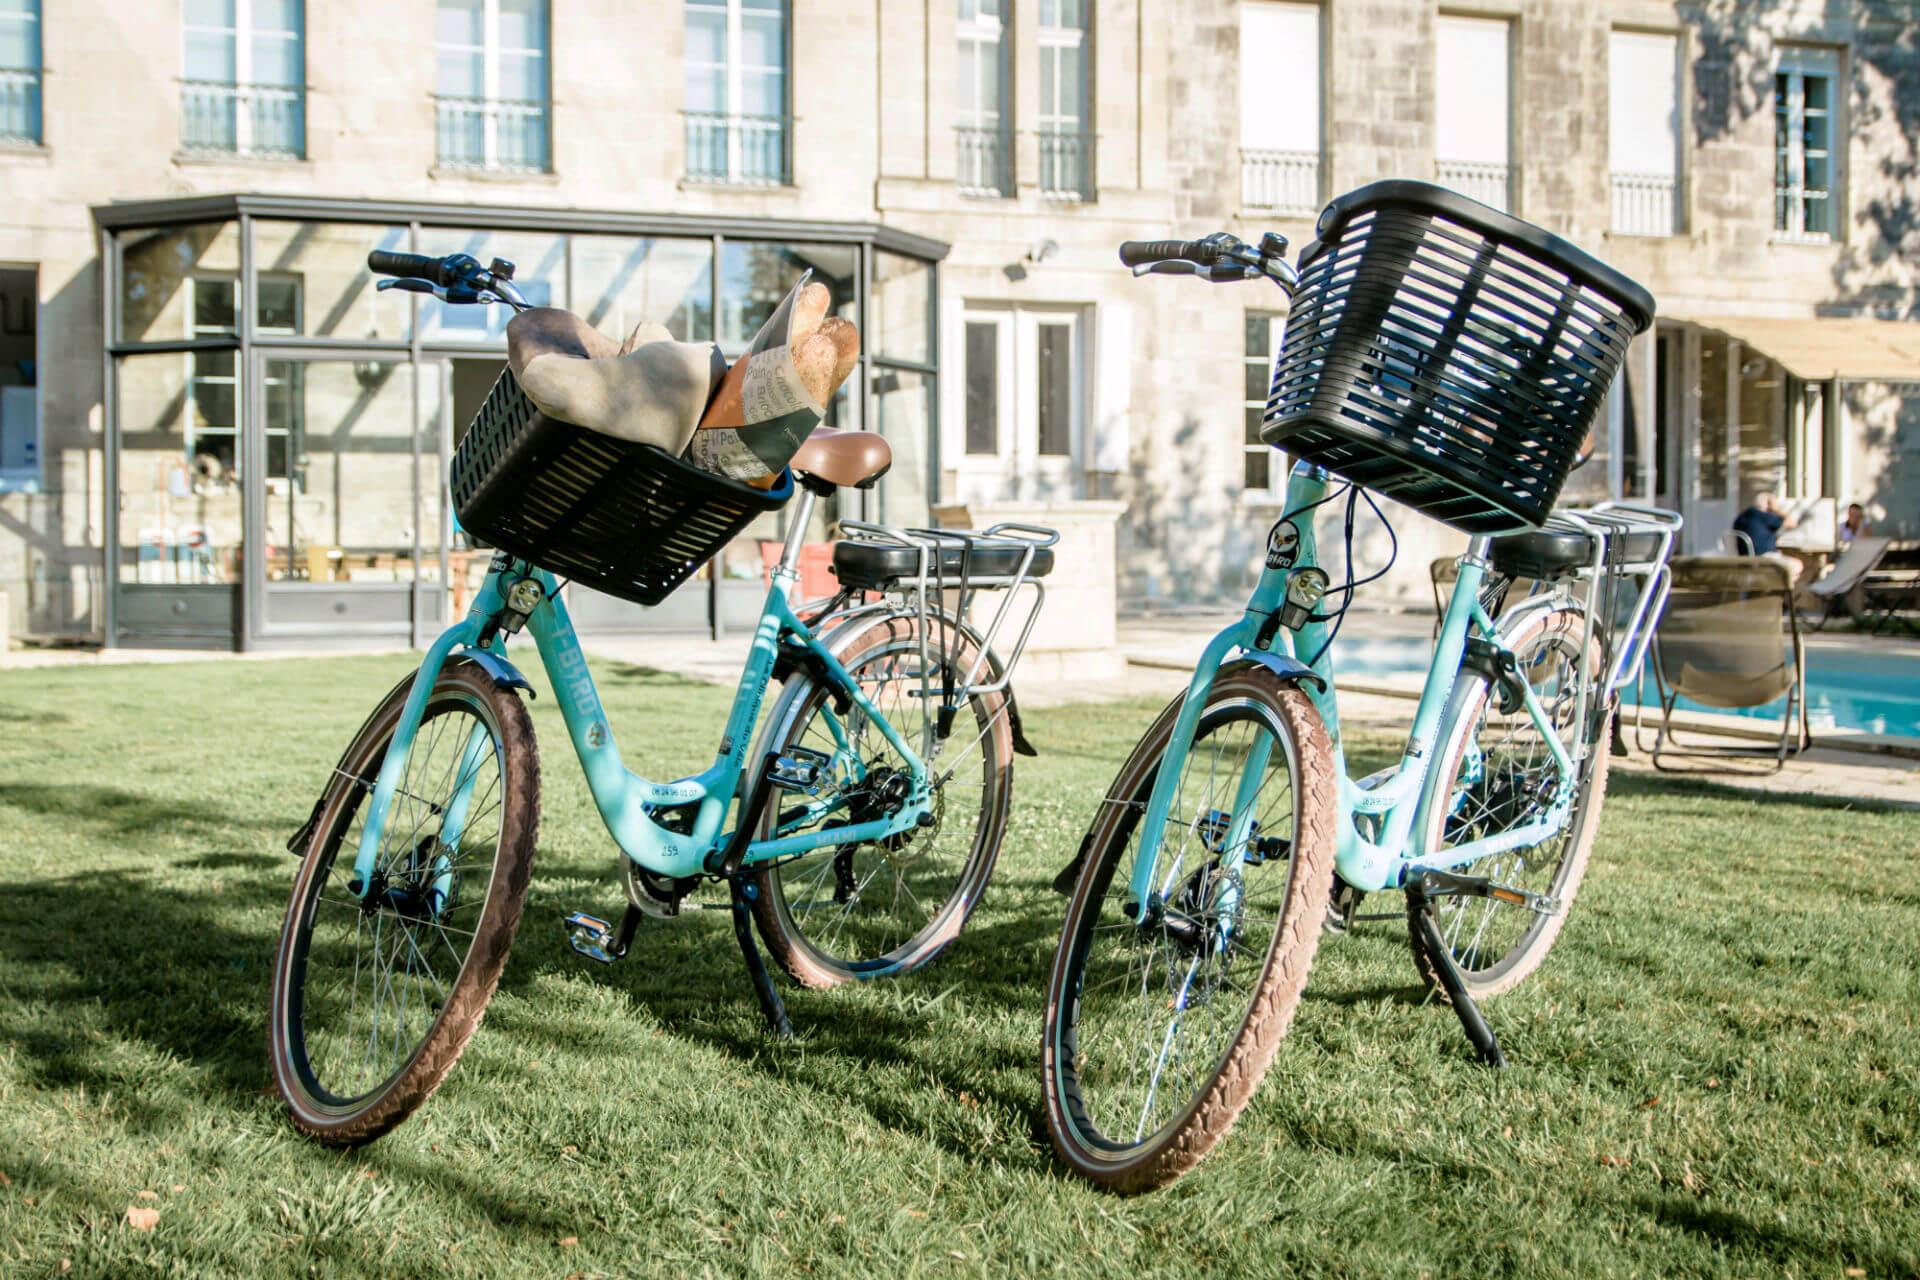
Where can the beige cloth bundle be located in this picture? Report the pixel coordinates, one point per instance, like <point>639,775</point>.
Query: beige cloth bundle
<point>744,422</point>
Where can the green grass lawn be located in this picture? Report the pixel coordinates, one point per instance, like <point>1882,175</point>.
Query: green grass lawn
<point>1717,1071</point>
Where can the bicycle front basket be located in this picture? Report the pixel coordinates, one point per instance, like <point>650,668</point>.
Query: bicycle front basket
<point>624,518</point>
<point>1447,355</point>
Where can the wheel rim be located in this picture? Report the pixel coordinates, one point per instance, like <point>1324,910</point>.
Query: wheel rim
<point>366,987</point>
<point>1148,1015</point>
<point>1504,763</point>
<point>873,908</point>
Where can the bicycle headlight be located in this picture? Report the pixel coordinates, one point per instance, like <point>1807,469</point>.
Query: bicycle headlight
<point>1305,589</point>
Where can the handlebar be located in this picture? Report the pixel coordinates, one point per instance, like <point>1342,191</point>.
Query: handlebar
<point>417,265</point>
<point>1204,253</point>
<point>457,278</point>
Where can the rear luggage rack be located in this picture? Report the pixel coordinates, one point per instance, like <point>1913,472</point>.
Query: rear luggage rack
<point>940,572</point>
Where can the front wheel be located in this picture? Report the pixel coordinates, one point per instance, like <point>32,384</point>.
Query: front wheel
<point>1494,773</point>
<point>1158,1030</point>
<point>374,997</point>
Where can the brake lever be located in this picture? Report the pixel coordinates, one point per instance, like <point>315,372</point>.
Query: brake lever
<point>1168,267</point>
<point>410,284</point>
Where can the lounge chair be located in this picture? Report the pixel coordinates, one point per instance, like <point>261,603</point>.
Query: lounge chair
<point>1729,638</point>
<point>1848,570</point>
<point>1890,591</point>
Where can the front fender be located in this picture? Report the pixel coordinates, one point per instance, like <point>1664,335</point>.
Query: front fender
<point>1288,669</point>
<point>502,672</point>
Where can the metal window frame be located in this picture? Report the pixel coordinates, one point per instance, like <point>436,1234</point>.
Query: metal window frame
<point>248,209</point>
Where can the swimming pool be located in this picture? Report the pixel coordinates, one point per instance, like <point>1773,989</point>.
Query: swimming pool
<point>1853,682</point>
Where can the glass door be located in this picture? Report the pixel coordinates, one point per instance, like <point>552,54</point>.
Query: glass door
<point>352,542</point>
<point>1022,435</point>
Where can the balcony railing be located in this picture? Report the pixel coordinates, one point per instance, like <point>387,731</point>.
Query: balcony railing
<point>491,133</point>
<point>746,151</point>
<point>242,119</point>
<point>1490,184</point>
<point>19,106</point>
<point>984,166</point>
<point>1644,204</point>
<point>1283,181</point>
<point>1066,165</point>
<point>1803,214</point>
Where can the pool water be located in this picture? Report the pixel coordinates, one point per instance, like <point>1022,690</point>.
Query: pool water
<point>1853,684</point>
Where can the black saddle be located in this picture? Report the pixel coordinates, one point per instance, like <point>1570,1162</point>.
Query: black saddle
<point>1555,553</point>
<point>876,566</point>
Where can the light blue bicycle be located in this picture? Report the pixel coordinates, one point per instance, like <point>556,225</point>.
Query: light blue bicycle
<point>1454,358</point>
<point>856,823</point>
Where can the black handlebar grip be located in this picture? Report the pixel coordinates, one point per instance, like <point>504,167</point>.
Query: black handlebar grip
<point>1136,252</point>
<point>416,265</point>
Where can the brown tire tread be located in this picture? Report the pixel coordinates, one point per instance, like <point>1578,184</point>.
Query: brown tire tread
<point>479,976</point>
<point>1289,960</point>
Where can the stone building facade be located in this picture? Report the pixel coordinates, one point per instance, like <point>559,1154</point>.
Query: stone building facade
<point>1015,142</point>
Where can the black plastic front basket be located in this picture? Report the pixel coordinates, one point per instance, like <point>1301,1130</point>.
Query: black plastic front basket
<point>627,519</point>
<point>1447,355</point>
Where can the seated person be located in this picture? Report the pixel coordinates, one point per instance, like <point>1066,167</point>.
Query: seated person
<point>1762,523</point>
<point>1856,525</point>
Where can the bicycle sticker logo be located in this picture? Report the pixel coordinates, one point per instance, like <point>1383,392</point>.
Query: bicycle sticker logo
<point>1283,545</point>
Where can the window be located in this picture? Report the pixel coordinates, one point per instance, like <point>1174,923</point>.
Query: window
<point>1263,344</point>
<point>244,88</point>
<point>983,387</point>
<point>1803,176</point>
<point>1472,111</point>
<point>1643,132</point>
<point>1280,107</point>
<point>213,426</point>
<point>736,106</point>
<point>19,369</point>
<point>491,85</point>
<point>1066,140</point>
<point>20,71</point>
<point>983,119</point>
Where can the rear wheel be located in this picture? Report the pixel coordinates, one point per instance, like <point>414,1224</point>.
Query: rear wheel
<point>1158,1032</point>
<point>374,999</point>
<point>1497,774</point>
<point>870,910</point>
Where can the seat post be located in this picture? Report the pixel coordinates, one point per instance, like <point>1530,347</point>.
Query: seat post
<point>797,531</point>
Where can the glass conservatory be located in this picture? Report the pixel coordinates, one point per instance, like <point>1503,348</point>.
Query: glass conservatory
<point>279,431</point>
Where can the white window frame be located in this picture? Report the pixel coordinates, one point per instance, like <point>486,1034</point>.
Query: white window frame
<point>243,35</point>
<point>1799,63</point>
<point>1017,460</point>
<point>1266,169</point>
<point>986,36</point>
<point>1489,179</point>
<point>1057,118</point>
<point>1635,183</point>
<point>30,21</point>
<point>1275,490</point>
<point>490,50</point>
<point>735,69</point>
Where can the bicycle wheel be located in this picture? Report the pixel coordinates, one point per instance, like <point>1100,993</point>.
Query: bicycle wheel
<point>1157,1033</point>
<point>886,907</point>
<point>1497,774</point>
<point>373,1000</point>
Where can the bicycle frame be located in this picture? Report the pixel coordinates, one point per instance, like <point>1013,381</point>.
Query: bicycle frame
<point>1395,804</point>
<point>627,802</point>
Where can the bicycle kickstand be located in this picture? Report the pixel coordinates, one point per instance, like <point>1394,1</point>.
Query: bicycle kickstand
<point>744,892</point>
<point>1426,935</point>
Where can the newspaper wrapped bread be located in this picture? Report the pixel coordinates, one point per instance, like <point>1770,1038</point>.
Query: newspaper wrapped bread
<point>775,395</point>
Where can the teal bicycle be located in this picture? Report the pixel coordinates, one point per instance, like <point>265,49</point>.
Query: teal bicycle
<point>1454,358</point>
<point>855,828</point>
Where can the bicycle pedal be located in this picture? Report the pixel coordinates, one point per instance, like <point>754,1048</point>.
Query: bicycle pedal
<point>798,769</point>
<point>592,937</point>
